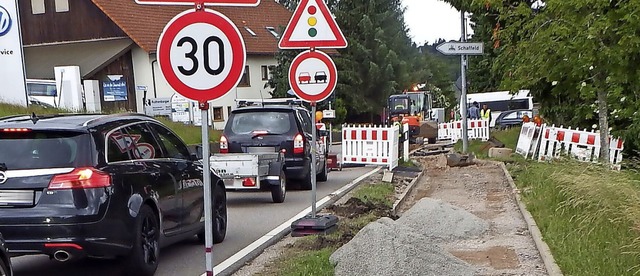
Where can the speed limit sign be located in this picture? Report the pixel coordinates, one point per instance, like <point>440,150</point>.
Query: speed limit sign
<point>201,54</point>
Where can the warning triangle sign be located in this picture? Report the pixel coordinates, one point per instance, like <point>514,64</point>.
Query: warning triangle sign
<point>312,26</point>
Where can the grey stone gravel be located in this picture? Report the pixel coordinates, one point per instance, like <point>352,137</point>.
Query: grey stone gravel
<point>442,221</point>
<point>408,246</point>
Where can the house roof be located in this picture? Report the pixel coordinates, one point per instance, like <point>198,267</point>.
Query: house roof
<point>90,56</point>
<point>144,23</point>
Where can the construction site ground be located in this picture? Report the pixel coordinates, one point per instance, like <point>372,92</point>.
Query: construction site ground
<point>475,194</point>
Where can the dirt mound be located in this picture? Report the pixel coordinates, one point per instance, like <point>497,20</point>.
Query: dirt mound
<point>354,207</point>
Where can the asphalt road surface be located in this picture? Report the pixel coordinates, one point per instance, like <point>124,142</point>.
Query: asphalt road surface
<point>251,215</point>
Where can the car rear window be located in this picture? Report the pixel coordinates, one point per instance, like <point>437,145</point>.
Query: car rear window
<point>40,149</point>
<point>273,122</point>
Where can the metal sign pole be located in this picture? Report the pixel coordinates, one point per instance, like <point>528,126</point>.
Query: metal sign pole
<point>463,96</point>
<point>313,162</point>
<point>208,200</point>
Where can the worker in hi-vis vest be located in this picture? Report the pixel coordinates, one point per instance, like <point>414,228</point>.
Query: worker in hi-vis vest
<point>485,113</point>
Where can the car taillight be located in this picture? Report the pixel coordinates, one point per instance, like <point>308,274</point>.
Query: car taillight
<point>224,145</point>
<point>15,130</point>
<point>298,144</point>
<point>80,178</point>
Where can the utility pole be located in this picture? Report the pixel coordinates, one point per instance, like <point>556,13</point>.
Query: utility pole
<point>463,95</point>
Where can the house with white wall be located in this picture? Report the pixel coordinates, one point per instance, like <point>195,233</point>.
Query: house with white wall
<point>119,37</point>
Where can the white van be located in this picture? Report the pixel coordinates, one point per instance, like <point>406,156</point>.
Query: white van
<point>501,101</point>
<point>43,91</point>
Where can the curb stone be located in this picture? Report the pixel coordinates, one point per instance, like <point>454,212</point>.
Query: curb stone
<point>547,258</point>
<point>403,196</point>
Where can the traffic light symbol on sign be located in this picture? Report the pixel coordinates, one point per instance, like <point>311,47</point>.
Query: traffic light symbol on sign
<point>312,26</point>
<point>313,21</point>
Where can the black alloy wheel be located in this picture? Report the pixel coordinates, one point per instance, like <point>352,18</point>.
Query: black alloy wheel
<point>146,249</point>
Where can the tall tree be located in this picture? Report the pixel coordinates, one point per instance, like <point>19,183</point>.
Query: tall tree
<point>586,49</point>
<point>376,63</point>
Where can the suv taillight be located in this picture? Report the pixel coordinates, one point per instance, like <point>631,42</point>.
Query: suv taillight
<point>298,144</point>
<point>80,178</point>
<point>224,145</point>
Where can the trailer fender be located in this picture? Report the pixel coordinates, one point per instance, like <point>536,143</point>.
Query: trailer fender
<point>275,169</point>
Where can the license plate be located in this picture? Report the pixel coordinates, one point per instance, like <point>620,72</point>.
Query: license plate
<point>260,149</point>
<point>17,197</point>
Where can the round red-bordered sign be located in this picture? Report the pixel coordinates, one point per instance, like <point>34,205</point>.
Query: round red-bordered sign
<point>313,76</point>
<point>201,54</point>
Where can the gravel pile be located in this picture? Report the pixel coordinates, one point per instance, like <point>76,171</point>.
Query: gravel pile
<point>442,221</point>
<point>385,248</point>
<point>409,246</point>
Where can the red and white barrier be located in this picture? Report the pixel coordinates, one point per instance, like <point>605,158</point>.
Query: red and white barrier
<point>477,130</point>
<point>371,145</point>
<point>528,140</point>
<point>548,142</point>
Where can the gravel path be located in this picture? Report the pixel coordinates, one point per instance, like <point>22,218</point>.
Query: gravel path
<point>457,221</point>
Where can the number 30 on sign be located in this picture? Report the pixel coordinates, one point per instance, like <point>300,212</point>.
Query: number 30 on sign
<point>201,54</point>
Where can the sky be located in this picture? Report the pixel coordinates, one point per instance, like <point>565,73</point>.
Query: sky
<point>429,20</point>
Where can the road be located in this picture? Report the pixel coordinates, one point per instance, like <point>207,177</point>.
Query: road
<point>251,215</point>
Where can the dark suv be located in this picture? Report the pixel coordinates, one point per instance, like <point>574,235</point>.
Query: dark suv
<point>101,186</point>
<point>272,127</point>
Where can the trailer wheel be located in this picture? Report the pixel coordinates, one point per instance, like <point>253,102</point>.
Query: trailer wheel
<point>278,192</point>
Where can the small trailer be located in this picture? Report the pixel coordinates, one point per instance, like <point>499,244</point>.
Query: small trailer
<point>252,171</point>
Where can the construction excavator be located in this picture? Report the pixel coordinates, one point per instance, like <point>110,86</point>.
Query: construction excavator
<point>414,108</point>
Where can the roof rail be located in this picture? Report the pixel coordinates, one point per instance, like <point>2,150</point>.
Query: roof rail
<point>273,101</point>
<point>109,116</point>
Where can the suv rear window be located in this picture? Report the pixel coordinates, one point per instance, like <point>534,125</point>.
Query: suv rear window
<point>274,122</point>
<point>40,150</point>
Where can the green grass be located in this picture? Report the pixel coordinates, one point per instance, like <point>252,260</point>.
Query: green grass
<point>509,136</point>
<point>376,194</point>
<point>480,148</point>
<point>403,163</point>
<point>302,263</point>
<point>189,133</point>
<point>588,215</point>
<point>8,110</point>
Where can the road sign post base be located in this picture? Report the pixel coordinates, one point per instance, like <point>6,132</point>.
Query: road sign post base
<point>319,225</point>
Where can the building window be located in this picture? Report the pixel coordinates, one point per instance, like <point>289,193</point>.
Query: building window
<point>272,30</point>
<point>217,114</point>
<point>62,5</point>
<point>37,7</point>
<point>244,81</point>
<point>228,111</point>
<point>265,72</point>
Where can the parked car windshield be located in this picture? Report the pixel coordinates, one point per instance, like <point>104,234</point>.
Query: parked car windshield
<point>38,149</point>
<point>273,122</point>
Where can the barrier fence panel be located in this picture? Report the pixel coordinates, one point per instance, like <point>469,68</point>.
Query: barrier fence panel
<point>477,130</point>
<point>445,130</point>
<point>370,145</point>
<point>555,141</point>
<point>525,140</point>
